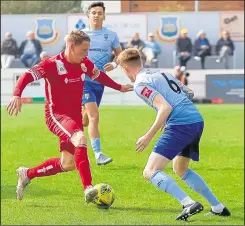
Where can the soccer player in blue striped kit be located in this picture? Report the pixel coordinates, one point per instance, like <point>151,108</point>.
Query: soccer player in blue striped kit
<point>183,127</point>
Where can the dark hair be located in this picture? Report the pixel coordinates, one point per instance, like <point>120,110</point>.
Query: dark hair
<point>77,37</point>
<point>96,4</point>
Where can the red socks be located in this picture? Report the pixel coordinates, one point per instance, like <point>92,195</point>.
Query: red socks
<point>83,166</point>
<point>53,166</point>
<point>48,168</point>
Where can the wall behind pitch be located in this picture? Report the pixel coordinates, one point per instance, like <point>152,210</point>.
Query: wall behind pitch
<point>193,21</point>
<point>209,21</point>
<point>20,24</point>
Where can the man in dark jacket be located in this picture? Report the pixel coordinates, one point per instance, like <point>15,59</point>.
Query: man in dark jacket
<point>30,49</point>
<point>184,48</point>
<point>9,50</point>
<point>202,48</point>
<point>137,43</point>
<point>224,47</point>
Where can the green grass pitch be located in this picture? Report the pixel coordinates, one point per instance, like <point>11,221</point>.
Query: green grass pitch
<point>59,199</point>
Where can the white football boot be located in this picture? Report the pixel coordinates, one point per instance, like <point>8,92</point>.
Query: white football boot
<point>90,194</point>
<point>103,160</point>
<point>23,181</point>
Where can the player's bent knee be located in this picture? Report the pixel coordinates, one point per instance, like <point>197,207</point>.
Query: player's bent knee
<point>68,165</point>
<point>147,173</point>
<point>94,117</point>
<point>180,170</point>
<point>78,139</point>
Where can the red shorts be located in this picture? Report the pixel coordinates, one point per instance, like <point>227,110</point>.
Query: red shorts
<point>64,127</point>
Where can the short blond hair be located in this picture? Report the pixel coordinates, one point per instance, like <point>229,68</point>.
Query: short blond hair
<point>77,37</point>
<point>129,56</point>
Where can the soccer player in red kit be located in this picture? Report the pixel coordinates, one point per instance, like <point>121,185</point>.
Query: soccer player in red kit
<point>64,76</point>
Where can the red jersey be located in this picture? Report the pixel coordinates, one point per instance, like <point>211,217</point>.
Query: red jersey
<point>64,83</point>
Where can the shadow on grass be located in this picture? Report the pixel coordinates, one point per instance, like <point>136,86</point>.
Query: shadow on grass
<point>9,192</point>
<point>145,209</point>
<point>124,168</point>
<point>219,219</point>
<point>219,169</point>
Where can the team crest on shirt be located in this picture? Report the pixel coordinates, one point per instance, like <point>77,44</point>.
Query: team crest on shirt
<point>84,68</point>
<point>83,77</point>
<point>106,37</point>
<point>86,95</point>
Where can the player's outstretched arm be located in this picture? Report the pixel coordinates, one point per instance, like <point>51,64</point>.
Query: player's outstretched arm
<point>104,79</point>
<point>164,109</point>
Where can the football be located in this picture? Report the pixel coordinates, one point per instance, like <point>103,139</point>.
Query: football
<point>105,197</point>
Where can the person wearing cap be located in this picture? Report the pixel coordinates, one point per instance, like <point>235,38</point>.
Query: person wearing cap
<point>9,50</point>
<point>152,46</point>
<point>184,47</point>
<point>202,48</point>
<point>30,50</point>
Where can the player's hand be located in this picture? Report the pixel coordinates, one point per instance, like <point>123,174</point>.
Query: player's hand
<point>108,67</point>
<point>126,88</point>
<point>14,105</point>
<point>96,73</point>
<point>142,143</point>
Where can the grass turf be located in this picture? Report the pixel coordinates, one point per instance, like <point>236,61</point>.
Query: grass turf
<point>59,199</point>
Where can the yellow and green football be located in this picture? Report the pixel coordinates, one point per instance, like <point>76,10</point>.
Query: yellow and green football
<point>105,197</point>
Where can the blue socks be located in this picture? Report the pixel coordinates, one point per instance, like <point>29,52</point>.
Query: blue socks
<point>95,143</point>
<point>167,184</point>
<point>196,182</point>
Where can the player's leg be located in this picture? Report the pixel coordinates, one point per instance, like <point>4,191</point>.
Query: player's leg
<point>49,167</point>
<point>82,164</point>
<point>172,141</point>
<point>70,132</point>
<point>194,180</point>
<point>91,100</point>
<point>153,172</point>
<point>72,139</point>
<point>85,117</point>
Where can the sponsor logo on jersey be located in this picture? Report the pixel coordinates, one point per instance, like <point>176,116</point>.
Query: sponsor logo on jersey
<point>146,92</point>
<point>66,80</point>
